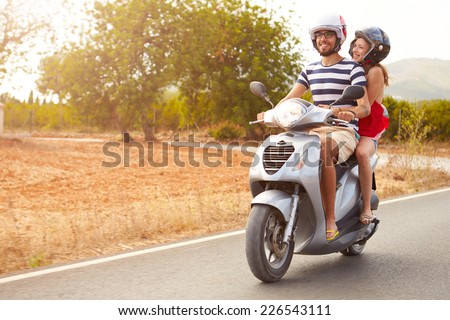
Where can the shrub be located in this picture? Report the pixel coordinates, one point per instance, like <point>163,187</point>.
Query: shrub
<point>226,131</point>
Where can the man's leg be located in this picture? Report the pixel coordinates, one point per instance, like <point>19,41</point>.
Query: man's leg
<point>328,155</point>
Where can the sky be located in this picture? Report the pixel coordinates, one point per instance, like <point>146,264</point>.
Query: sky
<point>417,29</point>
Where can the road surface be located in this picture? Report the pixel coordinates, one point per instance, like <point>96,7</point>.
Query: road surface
<point>408,258</point>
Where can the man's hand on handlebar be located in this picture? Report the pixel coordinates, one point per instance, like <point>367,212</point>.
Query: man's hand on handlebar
<point>260,116</point>
<point>346,115</point>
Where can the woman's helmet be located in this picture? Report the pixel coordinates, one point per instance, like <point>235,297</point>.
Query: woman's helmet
<point>379,44</point>
<point>333,22</point>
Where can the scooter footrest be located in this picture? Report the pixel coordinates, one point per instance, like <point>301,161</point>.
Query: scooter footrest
<point>375,223</point>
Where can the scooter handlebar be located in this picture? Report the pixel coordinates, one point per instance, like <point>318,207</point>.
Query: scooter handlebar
<point>337,121</point>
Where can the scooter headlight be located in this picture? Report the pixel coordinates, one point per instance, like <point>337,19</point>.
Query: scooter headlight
<point>289,113</point>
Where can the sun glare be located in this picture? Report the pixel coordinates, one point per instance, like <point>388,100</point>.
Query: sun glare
<point>22,73</point>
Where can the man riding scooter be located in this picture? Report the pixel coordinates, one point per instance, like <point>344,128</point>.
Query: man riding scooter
<point>327,79</point>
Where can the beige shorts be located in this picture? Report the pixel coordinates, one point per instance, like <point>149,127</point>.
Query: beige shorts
<point>345,138</point>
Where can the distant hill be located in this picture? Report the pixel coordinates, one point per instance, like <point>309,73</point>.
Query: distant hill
<point>419,79</point>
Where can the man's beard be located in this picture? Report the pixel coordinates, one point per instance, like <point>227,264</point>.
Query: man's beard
<point>327,53</point>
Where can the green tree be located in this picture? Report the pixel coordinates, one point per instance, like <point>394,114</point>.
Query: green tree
<point>438,118</point>
<point>124,65</point>
<point>133,46</point>
<point>209,50</point>
<point>224,46</point>
<point>413,128</point>
<point>77,77</point>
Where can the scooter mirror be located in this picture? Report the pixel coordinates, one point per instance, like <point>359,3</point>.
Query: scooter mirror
<point>258,89</point>
<point>353,92</point>
<point>350,93</point>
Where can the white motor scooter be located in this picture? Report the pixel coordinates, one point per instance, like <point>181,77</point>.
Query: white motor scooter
<point>287,215</point>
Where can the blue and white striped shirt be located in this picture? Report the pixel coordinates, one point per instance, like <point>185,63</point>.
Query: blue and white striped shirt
<point>327,83</point>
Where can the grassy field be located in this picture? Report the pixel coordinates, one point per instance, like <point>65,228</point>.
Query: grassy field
<point>67,200</point>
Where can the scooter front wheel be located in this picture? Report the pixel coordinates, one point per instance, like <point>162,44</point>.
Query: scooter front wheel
<point>267,255</point>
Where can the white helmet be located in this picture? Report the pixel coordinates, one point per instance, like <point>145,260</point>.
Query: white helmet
<point>331,22</point>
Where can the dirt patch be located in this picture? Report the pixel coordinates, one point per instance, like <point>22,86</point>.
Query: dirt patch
<point>60,201</point>
<point>66,200</point>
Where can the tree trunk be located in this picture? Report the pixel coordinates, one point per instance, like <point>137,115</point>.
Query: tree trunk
<point>147,128</point>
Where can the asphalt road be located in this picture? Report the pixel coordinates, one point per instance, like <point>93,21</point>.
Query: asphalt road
<point>408,258</point>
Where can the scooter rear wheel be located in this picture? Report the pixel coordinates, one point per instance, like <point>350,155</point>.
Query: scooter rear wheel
<point>353,250</point>
<point>267,255</point>
<point>358,247</point>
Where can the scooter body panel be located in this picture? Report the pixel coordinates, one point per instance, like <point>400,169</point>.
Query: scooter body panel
<point>277,199</point>
<point>302,166</point>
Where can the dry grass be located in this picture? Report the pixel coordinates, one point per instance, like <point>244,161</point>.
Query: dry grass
<point>58,203</point>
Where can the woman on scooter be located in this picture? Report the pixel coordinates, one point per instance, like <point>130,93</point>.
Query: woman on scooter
<point>370,46</point>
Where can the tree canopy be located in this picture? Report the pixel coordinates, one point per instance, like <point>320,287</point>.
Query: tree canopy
<point>208,51</point>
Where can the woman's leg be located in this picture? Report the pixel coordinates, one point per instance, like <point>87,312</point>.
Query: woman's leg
<point>364,150</point>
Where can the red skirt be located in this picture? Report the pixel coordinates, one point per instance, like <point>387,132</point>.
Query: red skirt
<point>376,123</point>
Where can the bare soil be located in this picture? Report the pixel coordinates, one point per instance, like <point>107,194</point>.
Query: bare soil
<point>66,200</point>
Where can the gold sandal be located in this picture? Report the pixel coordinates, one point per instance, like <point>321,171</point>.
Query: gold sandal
<point>334,235</point>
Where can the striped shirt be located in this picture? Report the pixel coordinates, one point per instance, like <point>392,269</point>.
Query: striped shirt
<point>327,83</point>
